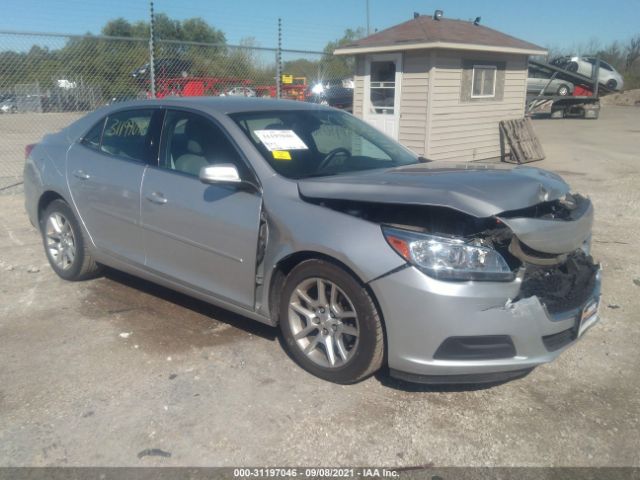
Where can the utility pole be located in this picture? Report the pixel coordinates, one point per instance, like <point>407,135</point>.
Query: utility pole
<point>368,19</point>
<point>152,48</point>
<point>279,60</point>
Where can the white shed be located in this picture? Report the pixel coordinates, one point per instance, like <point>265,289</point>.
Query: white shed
<point>440,86</point>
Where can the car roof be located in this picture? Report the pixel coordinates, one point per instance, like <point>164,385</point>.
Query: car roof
<point>224,105</point>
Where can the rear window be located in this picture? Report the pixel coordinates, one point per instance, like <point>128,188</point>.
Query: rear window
<point>125,134</point>
<point>92,138</point>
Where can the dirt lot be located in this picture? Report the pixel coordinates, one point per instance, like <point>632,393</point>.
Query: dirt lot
<point>623,99</point>
<point>21,129</point>
<point>95,373</point>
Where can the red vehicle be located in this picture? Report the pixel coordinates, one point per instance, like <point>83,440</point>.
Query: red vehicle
<point>215,86</point>
<point>196,86</point>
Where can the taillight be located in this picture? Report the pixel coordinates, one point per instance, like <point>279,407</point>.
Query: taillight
<point>27,150</point>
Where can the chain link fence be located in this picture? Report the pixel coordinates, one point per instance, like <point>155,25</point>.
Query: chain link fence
<point>49,80</point>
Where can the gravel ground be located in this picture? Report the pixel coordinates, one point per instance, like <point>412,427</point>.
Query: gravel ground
<point>104,372</point>
<point>21,129</point>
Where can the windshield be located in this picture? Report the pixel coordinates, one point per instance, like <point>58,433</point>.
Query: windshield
<point>316,143</point>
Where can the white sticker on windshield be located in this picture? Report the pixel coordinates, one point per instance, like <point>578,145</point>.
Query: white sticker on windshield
<point>280,140</point>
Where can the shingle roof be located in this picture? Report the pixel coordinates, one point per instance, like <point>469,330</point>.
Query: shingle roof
<point>426,30</point>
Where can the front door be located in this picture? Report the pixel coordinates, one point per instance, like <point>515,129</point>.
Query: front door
<point>104,172</point>
<point>203,236</point>
<point>382,92</point>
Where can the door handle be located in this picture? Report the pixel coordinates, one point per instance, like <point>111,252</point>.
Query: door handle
<point>157,197</point>
<point>81,174</point>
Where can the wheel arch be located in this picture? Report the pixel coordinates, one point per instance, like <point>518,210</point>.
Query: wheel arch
<point>45,200</point>
<point>282,268</point>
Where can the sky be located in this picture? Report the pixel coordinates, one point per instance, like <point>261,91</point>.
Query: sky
<point>309,25</point>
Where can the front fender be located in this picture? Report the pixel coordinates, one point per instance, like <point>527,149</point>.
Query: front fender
<point>297,226</point>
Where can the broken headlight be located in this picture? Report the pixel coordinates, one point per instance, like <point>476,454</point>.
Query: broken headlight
<point>448,258</point>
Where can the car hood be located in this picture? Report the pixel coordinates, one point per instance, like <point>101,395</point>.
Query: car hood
<point>476,189</point>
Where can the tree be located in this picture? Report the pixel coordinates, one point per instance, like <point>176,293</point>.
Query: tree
<point>349,36</point>
<point>334,67</point>
<point>632,52</point>
<point>165,28</point>
<point>118,27</point>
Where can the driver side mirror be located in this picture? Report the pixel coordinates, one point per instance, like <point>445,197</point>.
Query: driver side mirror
<point>224,173</point>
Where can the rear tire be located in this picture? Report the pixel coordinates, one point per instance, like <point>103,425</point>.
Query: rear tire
<point>335,335</point>
<point>563,90</point>
<point>65,244</point>
<point>612,84</point>
<point>572,67</point>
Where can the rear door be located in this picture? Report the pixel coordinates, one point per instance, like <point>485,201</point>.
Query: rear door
<point>203,236</point>
<point>104,172</point>
<point>536,82</point>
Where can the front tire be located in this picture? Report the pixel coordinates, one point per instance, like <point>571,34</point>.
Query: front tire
<point>612,84</point>
<point>330,323</point>
<point>65,245</point>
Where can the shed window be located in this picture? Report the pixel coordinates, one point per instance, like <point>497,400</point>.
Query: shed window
<point>483,83</point>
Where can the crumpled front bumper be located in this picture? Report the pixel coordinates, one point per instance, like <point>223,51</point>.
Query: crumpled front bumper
<point>421,312</point>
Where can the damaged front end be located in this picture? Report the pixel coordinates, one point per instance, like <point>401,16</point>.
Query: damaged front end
<point>498,276</point>
<point>552,242</point>
<point>545,246</point>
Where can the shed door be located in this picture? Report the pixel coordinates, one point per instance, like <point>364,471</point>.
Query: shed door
<point>382,92</point>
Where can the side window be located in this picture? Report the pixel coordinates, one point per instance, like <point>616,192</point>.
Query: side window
<point>483,82</point>
<point>192,142</point>
<point>126,134</point>
<point>606,66</point>
<point>92,138</point>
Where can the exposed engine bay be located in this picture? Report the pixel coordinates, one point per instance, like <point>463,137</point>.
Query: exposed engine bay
<point>561,281</point>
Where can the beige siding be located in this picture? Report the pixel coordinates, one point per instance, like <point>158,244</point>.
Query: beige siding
<point>358,87</point>
<point>433,120</point>
<point>467,131</point>
<point>414,91</point>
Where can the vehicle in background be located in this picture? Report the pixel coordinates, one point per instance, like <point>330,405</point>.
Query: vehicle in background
<point>164,68</point>
<point>241,91</point>
<point>337,97</point>
<point>607,75</point>
<point>8,104</point>
<point>319,87</point>
<point>537,81</point>
<point>122,98</point>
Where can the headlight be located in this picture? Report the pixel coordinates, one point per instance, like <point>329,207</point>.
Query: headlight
<point>448,258</point>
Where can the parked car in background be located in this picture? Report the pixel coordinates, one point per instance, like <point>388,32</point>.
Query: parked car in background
<point>537,81</point>
<point>337,97</point>
<point>8,104</point>
<point>122,98</point>
<point>239,92</point>
<point>164,68</point>
<point>306,217</point>
<point>607,75</point>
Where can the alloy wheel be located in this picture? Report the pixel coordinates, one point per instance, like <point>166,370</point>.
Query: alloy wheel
<point>60,240</point>
<point>324,322</point>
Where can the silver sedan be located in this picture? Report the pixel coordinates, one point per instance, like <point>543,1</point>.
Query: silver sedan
<point>305,217</point>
